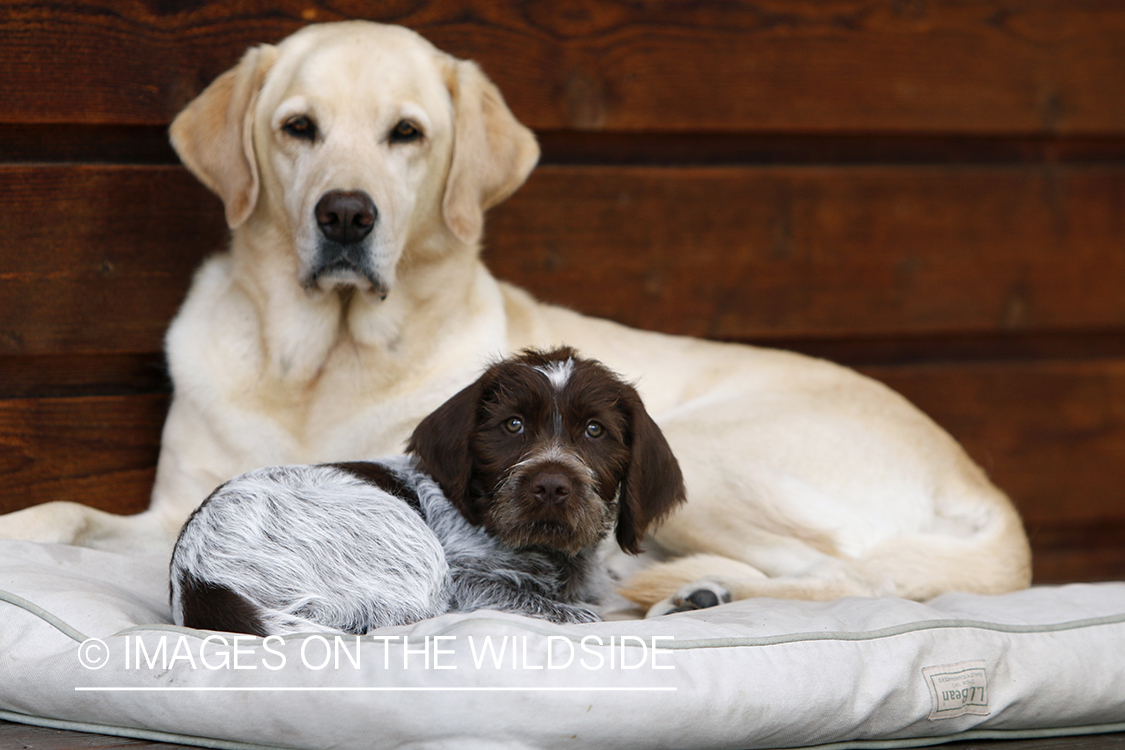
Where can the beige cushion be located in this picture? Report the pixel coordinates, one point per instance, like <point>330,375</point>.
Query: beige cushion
<point>753,674</point>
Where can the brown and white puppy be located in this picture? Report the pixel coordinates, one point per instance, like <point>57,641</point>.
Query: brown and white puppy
<point>551,449</point>
<point>535,464</point>
<point>309,342</point>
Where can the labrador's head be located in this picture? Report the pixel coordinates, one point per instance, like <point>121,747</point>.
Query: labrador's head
<point>351,142</point>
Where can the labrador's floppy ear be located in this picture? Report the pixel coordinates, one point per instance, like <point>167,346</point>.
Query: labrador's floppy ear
<point>653,484</point>
<point>441,444</point>
<point>492,152</point>
<point>214,134</point>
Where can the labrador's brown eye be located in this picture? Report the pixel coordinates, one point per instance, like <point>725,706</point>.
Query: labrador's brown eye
<point>595,429</point>
<point>405,132</point>
<point>514,425</point>
<point>300,126</point>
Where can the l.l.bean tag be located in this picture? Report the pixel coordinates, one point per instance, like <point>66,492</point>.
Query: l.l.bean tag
<point>957,689</point>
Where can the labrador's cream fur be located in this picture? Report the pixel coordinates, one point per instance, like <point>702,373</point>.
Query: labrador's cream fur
<point>804,479</point>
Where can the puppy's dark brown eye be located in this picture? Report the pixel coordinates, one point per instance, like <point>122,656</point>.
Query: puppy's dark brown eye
<point>300,126</point>
<point>514,425</point>
<point>595,430</point>
<point>405,132</point>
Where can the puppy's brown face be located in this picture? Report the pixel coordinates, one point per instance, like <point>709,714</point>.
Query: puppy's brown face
<point>549,454</point>
<point>551,450</point>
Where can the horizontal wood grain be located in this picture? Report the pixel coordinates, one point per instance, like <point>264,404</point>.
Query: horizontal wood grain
<point>1051,434</point>
<point>38,376</point>
<point>96,450</point>
<point>738,253</point>
<point>757,253</point>
<point>1011,346</point>
<point>149,144</point>
<point>1065,551</point>
<point>774,65</point>
<point>98,258</point>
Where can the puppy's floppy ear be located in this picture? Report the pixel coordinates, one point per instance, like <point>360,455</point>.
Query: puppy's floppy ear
<point>653,484</point>
<point>442,444</point>
<point>492,152</point>
<point>214,134</point>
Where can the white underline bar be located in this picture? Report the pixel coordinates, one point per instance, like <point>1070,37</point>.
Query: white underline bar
<point>372,689</point>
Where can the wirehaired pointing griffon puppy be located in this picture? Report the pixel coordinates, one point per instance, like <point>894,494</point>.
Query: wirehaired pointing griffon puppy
<point>509,489</point>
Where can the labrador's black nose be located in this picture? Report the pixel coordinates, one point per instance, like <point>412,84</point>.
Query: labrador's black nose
<point>346,217</point>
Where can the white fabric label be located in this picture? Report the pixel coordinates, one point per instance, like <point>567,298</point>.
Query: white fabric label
<point>957,689</point>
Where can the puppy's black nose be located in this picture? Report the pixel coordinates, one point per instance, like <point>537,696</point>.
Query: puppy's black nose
<point>346,217</point>
<point>550,487</point>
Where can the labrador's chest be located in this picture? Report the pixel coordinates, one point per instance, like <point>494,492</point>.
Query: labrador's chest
<point>356,408</point>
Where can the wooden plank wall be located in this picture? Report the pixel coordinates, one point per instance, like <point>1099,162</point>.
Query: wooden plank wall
<point>933,192</point>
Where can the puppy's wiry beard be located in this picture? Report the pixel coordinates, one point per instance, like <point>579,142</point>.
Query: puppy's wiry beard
<point>515,516</point>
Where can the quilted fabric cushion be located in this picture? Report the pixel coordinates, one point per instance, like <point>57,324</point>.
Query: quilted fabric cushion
<point>86,643</point>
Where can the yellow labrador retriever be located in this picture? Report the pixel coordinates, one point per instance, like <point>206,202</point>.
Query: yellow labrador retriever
<point>355,162</point>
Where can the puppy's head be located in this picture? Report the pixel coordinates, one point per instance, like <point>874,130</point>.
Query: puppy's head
<point>347,143</point>
<point>552,450</point>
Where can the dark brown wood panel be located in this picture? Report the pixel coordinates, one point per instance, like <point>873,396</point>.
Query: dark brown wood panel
<point>739,253</point>
<point>99,451</point>
<point>758,253</point>
<point>97,258</point>
<point>1077,551</point>
<point>780,65</point>
<point>32,376</point>
<point>148,144</point>
<point>1051,434</point>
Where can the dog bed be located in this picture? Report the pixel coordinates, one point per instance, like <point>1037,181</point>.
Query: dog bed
<point>86,644</point>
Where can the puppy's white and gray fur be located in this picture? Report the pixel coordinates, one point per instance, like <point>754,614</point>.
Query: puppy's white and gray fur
<point>538,460</point>
<point>291,549</point>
